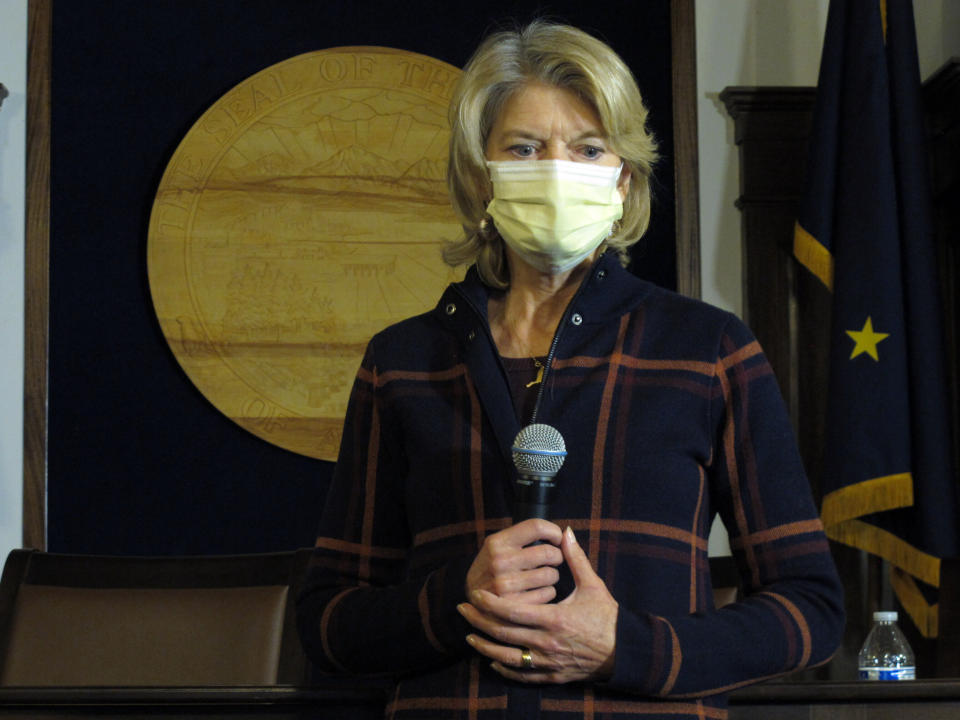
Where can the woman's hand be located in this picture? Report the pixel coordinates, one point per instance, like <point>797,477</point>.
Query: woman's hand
<point>569,641</point>
<point>510,566</point>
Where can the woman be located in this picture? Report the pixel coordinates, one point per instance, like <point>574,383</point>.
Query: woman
<point>669,411</point>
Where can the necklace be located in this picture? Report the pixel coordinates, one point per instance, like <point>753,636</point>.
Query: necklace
<point>537,364</point>
<point>526,349</point>
<point>539,379</point>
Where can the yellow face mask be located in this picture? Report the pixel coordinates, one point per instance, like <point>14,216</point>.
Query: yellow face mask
<point>554,213</point>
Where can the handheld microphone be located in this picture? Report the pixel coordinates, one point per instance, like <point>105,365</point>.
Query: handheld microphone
<point>538,453</point>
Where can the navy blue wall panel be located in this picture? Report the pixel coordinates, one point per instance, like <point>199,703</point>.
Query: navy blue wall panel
<point>139,461</point>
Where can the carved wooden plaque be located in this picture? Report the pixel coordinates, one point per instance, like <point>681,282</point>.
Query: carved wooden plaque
<point>302,213</point>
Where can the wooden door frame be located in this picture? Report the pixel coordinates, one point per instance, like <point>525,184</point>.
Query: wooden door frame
<point>37,274</point>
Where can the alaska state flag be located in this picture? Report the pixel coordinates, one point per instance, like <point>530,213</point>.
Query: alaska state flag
<point>865,230</point>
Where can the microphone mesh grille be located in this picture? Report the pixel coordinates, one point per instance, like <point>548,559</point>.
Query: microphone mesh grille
<point>539,449</point>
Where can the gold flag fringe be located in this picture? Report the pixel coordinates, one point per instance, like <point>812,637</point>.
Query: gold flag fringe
<point>874,495</point>
<point>812,255</point>
<point>859,534</point>
<point>924,615</point>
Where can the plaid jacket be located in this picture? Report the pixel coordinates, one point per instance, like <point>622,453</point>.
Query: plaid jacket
<point>670,413</point>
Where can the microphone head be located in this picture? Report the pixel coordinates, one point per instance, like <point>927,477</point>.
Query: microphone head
<point>539,450</point>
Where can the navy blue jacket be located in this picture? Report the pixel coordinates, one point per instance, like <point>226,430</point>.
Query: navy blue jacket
<point>671,414</point>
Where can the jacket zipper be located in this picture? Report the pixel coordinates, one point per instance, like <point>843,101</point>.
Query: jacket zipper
<point>564,321</point>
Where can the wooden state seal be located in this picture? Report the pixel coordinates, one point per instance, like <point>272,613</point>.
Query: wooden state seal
<point>303,212</point>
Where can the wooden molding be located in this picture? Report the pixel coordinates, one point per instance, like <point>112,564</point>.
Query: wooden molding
<point>941,100</point>
<point>940,92</point>
<point>771,125</point>
<point>37,280</point>
<point>686,188</point>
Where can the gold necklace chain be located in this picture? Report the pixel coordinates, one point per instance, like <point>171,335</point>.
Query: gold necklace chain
<point>526,349</point>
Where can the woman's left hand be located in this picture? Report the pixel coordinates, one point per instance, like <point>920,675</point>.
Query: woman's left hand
<point>568,641</point>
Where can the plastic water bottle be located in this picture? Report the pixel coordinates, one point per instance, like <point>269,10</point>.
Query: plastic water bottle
<point>886,654</point>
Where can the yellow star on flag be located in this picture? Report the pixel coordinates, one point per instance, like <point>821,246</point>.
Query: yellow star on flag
<point>866,340</point>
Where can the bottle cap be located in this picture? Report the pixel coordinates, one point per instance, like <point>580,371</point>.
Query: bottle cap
<point>885,616</point>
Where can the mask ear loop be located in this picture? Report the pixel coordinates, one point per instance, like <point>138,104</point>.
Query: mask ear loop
<point>623,183</point>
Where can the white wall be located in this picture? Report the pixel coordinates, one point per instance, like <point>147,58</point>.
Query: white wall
<point>938,33</point>
<point>742,42</point>
<point>13,111</point>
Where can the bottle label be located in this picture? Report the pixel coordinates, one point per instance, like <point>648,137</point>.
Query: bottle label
<point>883,673</point>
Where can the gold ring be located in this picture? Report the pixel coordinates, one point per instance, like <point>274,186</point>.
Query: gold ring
<point>526,659</point>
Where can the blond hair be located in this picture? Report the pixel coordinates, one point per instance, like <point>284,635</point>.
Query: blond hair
<point>559,56</point>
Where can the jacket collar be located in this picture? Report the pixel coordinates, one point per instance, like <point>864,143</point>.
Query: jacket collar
<point>608,292</point>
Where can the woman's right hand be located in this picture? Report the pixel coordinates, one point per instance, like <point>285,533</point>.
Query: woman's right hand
<point>511,566</point>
